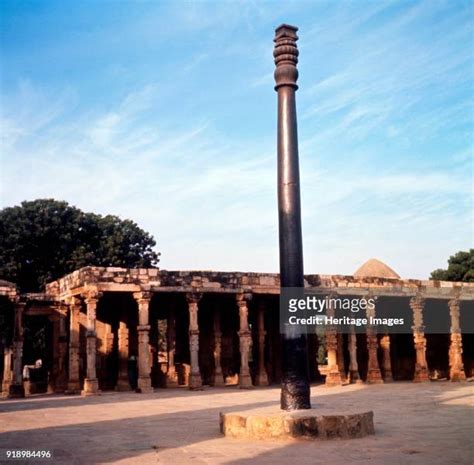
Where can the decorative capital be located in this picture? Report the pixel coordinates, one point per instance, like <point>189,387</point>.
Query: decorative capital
<point>142,296</point>
<point>92,297</point>
<point>417,303</point>
<point>243,299</point>
<point>286,56</point>
<point>193,297</point>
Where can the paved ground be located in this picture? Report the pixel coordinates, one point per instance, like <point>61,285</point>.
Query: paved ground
<point>415,424</point>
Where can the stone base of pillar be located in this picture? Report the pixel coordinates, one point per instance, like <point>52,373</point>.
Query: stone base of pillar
<point>354,378</point>
<point>333,378</point>
<point>73,387</point>
<point>60,385</point>
<point>15,391</point>
<point>195,381</point>
<point>91,387</point>
<point>123,385</point>
<point>421,375</point>
<point>387,377</point>
<point>456,376</point>
<point>262,378</point>
<point>172,378</point>
<point>144,385</point>
<point>218,380</point>
<point>374,376</point>
<point>245,381</point>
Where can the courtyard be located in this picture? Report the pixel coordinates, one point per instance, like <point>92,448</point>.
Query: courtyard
<point>428,423</point>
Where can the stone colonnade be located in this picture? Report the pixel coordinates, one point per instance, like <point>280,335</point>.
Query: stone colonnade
<point>91,385</point>
<point>65,373</point>
<point>336,374</point>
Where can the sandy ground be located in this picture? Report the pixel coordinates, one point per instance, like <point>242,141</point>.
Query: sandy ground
<point>425,424</point>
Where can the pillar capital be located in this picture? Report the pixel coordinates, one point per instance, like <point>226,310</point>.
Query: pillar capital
<point>243,298</point>
<point>92,297</point>
<point>142,297</point>
<point>193,297</point>
<point>286,56</point>
<point>417,302</point>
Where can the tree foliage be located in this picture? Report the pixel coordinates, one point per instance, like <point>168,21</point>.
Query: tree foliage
<point>460,268</point>
<point>44,239</point>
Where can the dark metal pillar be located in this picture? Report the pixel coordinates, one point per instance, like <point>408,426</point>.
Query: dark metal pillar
<point>295,389</point>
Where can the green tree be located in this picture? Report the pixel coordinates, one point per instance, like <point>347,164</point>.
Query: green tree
<point>44,239</point>
<point>460,268</point>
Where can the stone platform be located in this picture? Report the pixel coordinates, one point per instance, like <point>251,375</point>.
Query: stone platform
<point>305,424</point>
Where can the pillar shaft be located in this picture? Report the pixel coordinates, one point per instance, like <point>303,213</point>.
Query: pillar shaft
<point>374,375</point>
<point>195,381</point>
<point>73,385</point>
<point>16,388</point>
<point>171,374</point>
<point>354,376</point>
<point>143,328</point>
<point>421,367</point>
<point>386,360</point>
<point>91,384</point>
<point>7,371</point>
<point>333,374</point>
<point>245,341</point>
<point>295,388</point>
<point>123,381</point>
<point>262,377</point>
<point>340,356</point>
<point>218,375</point>
<point>456,365</point>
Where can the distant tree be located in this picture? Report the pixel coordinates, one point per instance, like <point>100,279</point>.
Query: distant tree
<point>460,268</point>
<point>44,239</point>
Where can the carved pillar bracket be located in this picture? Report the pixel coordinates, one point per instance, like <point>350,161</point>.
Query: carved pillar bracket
<point>91,384</point>
<point>195,381</point>
<point>144,379</point>
<point>245,340</point>
<point>333,374</point>
<point>374,375</point>
<point>421,367</point>
<point>456,365</point>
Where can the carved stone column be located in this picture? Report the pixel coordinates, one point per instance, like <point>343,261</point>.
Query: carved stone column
<point>245,340</point>
<point>340,357</point>
<point>7,371</point>
<point>386,360</point>
<point>195,381</point>
<point>171,374</point>
<point>91,384</point>
<point>218,375</point>
<point>374,375</point>
<point>123,382</point>
<point>333,375</point>
<point>421,367</point>
<point>262,377</point>
<point>58,379</point>
<point>354,376</point>
<point>16,388</point>
<point>456,366</point>
<point>143,328</point>
<point>73,385</point>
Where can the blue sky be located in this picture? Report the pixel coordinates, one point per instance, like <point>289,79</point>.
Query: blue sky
<point>165,113</point>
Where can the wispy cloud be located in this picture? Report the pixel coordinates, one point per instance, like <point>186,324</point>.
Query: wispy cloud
<point>185,146</point>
